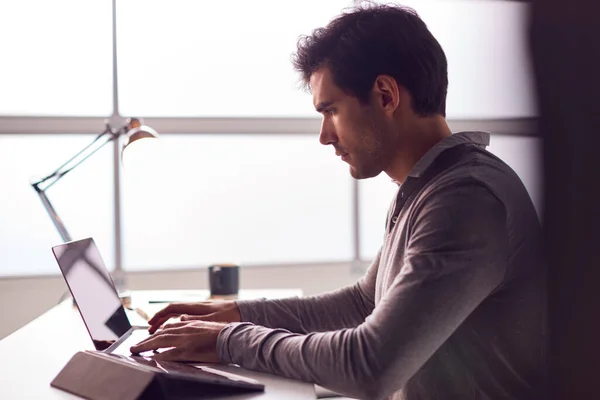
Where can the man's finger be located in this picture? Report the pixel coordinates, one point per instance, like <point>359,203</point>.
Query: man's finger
<point>186,317</point>
<point>213,317</point>
<point>155,326</point>
<point>174,325</point>
<point>172,309</point>
<point>149,338</point>
<point>158,323</point>
<point>173,330</point>
<point>157,342</point>
<point>175,354</point>
<point>160,314</point>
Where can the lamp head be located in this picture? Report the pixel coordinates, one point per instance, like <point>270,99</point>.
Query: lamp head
<point>134,131</point>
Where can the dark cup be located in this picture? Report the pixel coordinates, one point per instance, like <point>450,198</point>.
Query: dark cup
<point>224,279</point>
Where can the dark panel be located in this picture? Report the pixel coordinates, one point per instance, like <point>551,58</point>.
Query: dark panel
<point>565,39</point>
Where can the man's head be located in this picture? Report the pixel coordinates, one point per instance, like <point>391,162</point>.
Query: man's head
<point>373,72</point>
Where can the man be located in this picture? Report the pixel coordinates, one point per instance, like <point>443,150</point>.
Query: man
<point>453,305</point>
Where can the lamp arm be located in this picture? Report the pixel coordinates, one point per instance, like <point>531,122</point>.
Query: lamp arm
<point>43,184</point>
<point>109,135</point>
<point>60,227</point>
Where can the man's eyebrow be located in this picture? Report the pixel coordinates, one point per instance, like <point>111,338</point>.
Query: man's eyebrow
<point>323,105</point>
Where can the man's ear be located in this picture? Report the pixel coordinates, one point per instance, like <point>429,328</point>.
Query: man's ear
<point>387,93</point>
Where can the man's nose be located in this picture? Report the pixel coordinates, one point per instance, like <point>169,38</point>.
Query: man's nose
<point>327,134</point>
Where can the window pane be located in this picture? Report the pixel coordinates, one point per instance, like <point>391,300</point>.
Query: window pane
<point>57,57</point>
<point>249,199</point>
<point>375,196</point>
<point>522,154</point>
<point>485,42</point>
<point>200,58</point>
<point>83,199</point>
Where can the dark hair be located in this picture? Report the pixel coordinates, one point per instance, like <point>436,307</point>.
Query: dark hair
<point>371,40</point>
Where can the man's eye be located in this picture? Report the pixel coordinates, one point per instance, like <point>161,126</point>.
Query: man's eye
<point>328,112</point>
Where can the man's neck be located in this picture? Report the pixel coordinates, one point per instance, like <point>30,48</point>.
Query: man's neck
<point>416,141</point>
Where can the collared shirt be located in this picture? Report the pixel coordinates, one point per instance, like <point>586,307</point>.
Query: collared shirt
<point>479,139</point>
<point>452,307</point>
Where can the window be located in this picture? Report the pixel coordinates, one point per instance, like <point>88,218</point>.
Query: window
<point>485,42</point>
<point>242,198</point>
<point>524,156</point>
<point>264,192</point>
<point>209,59</point>
<point>376,195</point>
<point>83,199</point>
<point>57,58</point>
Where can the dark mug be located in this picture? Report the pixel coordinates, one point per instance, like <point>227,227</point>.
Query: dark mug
<point>224,279</point>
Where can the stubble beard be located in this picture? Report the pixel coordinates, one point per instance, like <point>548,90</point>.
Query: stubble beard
<point>371,170</point>
<point>371,161</point>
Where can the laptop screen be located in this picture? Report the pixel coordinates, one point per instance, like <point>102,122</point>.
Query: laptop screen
<point>93,291</point>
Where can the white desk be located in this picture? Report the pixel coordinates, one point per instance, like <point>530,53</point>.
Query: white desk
<point>32,356</point>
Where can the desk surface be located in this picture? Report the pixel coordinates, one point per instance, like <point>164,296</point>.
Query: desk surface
<point>32,356</point>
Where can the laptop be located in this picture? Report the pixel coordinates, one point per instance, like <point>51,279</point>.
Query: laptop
<point>105,318</point>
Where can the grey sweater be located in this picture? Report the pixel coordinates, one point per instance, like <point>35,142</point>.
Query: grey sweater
<point>452,307</point>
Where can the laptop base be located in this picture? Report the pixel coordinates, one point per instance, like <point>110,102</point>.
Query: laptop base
<point>97,376</point>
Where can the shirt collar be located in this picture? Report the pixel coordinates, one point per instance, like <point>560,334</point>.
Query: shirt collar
<point>481,139</point>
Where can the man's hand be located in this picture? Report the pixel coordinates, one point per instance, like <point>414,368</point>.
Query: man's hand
<point>218,311</point>
<point>194,341</point>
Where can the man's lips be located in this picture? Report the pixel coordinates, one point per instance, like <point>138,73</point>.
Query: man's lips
<point>343,155</point>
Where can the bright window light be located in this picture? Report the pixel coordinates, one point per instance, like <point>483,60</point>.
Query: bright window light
<point>486,44</point>
<point>215,59</point>
<point>83,199</point>
<point>253,199</point>
<point>56,58</point>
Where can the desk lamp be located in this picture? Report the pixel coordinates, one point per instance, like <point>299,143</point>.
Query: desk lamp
<point>132,131</point>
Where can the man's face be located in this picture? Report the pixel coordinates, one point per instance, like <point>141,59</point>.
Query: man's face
<point>359,132</point>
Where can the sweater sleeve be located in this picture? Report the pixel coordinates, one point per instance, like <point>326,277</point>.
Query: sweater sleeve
<point>456,256</point>
<point>343,308</point>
